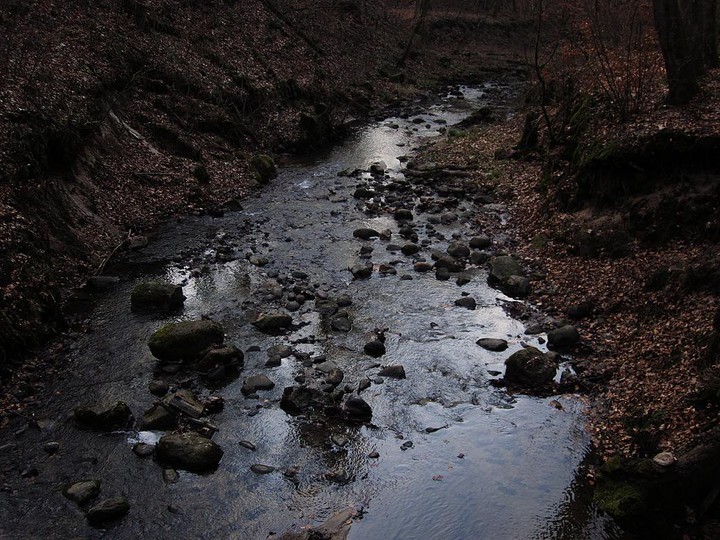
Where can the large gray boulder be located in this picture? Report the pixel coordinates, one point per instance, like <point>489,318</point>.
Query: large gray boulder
<point>185,340</point>
<point>156,296</point>
<point>189,451</point>
<point>531,368</point>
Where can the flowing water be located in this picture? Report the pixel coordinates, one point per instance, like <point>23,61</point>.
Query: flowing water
<point>491,465</point>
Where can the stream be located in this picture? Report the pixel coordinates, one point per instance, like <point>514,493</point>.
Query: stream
<point>457,457</point>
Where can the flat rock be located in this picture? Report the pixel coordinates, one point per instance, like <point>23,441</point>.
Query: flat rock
<point>189,451</point>
<point>480,242</point>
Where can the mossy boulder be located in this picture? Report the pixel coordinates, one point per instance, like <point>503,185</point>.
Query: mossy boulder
<point>185,340</point>
<point>622,500</point>
<point>156,296</point>
<point>264,168</point>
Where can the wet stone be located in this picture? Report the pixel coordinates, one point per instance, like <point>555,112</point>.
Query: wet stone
<point>170,476</point>
<point>374,454</point>
<point>248,445</point>
<point>565,336</point>
<point>109,418</point>
<point>259,468</point>
<point>341,324</point>
<point>492,344</point>
<point>480,242</point>
<point>365,233</point>
<point>81,492</point>
<point>143,449</point>
<point>364,384</point>
<point>374,348</point>
<point>156,296</point>
<point>158,388</point>
<point>442,274</point>
<point>185,340</point>
<point>159,418</point>
<point>255,383</point>
<point>335,377</point>
<point>362,270</point>
<point>108,510</point>
<point>344,300</point>
<point>189,451</point>
<point>458,250</point>
<point>272,322</point>
<point>357,409</point>
<point>339,439</point>
<point>410,249</point>
<point>467,302</point>
<point>51,447</point>
<point>395,372</point>
<point>422,267</point>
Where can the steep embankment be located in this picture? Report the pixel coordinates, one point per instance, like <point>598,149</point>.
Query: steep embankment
<point>116,115</point>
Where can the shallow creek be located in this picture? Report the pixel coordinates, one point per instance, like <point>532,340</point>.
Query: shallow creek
<point>482,463</point>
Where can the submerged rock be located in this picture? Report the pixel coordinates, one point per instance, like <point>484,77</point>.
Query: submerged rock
<point>156,296</point>
<point>189,451</point>
<point>113,417</point>
<point>185,340</point>
<point>223,356</point>
<point>259,468</point>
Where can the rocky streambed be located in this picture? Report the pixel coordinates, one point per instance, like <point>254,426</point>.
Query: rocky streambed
<point>336,344</point>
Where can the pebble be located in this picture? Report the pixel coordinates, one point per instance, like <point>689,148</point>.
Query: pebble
<point>51,447</point>
<point>143,449</point>
<point>248,445</point>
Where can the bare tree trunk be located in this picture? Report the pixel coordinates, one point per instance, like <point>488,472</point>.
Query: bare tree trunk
<point>708,20</point>
<point>421,9</point>
<point>682,60</point>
